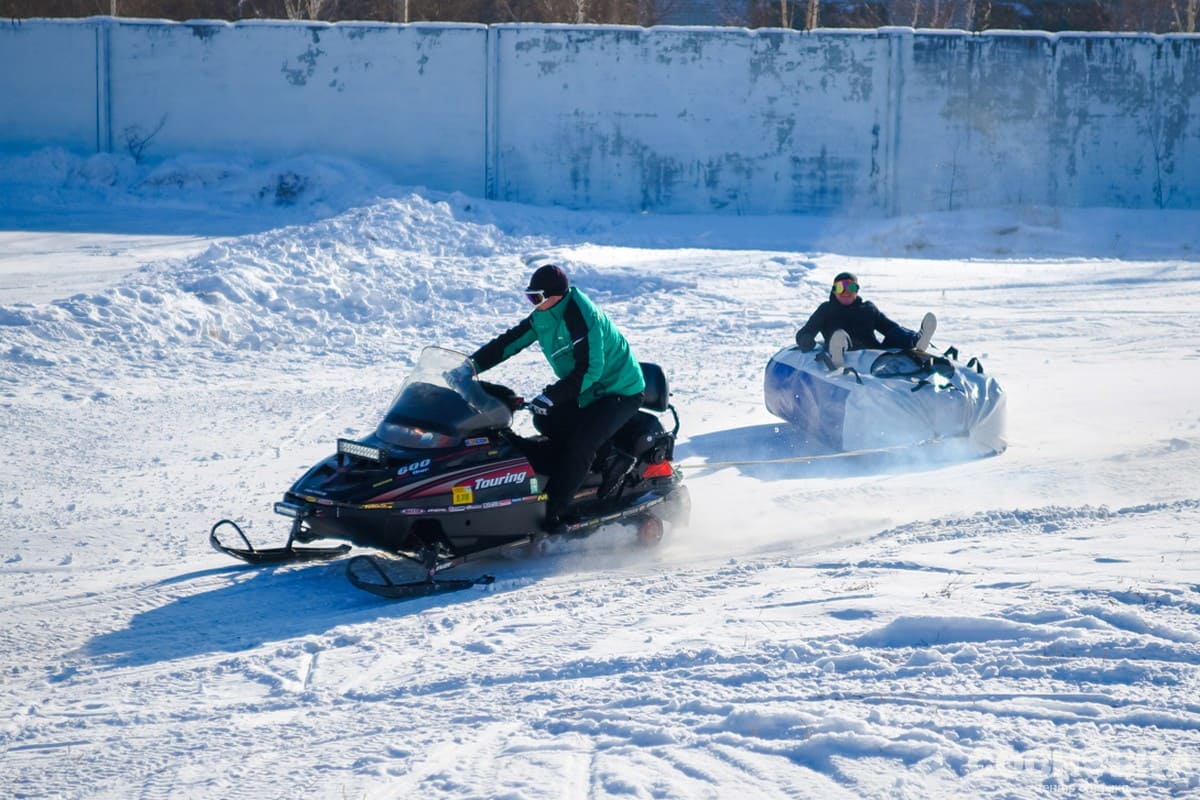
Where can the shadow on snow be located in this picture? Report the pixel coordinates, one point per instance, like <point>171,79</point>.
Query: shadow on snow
<point>255,605</point>
<point>259,605</point>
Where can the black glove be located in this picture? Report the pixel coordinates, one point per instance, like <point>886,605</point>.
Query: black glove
<point>554,393</point>
<point>459,376</point>
<point>541,405</point>
<point>805,341</point>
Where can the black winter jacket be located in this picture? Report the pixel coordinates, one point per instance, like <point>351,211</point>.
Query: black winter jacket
<point>860,320</point>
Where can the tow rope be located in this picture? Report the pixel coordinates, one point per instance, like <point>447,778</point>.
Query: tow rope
<point>870,451</point>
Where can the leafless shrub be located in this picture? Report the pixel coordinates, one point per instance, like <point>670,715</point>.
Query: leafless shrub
<point>137,139</point>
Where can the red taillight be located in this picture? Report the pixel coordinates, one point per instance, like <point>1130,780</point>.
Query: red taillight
<point>659,470</point>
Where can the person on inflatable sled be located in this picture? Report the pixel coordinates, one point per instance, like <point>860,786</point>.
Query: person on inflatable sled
<point>847,322</point>
<point>893,393</point>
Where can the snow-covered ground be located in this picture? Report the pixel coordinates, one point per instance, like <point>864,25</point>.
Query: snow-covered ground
<point>177,343</point>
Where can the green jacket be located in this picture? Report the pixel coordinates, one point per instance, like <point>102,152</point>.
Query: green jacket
<point>586,351</point>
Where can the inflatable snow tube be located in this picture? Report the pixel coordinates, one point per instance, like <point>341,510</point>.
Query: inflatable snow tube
<point>885,398</point>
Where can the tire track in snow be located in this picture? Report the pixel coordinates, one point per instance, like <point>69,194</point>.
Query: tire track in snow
<point>1046,520</point>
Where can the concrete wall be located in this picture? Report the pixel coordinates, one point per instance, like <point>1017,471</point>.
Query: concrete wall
<point>48,85</point>
<point>663,119</point>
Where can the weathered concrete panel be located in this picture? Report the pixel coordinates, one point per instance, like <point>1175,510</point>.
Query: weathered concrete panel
<point>1126,120</point>
<point>1069,120</point>
<point>408,99</point>
<point>972,121</point>
<point>1105,119</point>
<point>686,120</point>
<point>1176,131</point>
<point>48,85</point>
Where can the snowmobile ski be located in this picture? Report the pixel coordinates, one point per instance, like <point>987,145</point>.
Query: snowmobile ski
<point>409,590</point>
<point>287,554</point>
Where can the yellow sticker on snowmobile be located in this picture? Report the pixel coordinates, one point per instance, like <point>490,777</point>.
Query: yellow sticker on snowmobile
<point>463,495</point>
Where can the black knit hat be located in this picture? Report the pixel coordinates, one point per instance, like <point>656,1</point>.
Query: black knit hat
<point>549,280</point>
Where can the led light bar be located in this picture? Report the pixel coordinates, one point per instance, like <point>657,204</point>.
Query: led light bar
<point>364,451</point>
<point>289,509</point>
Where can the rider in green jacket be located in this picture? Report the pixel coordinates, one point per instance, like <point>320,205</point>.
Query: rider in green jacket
<point>599,387</point>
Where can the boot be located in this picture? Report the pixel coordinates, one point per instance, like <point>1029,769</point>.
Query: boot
<point>928,326</point>
<point>838,344</point>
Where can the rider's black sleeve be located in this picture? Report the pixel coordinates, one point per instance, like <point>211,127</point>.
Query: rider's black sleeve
<point>806,337</point>
<point>504,346</point>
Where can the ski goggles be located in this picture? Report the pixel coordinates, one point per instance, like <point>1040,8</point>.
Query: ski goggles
<point>844,286</point>
<point>535,296</point>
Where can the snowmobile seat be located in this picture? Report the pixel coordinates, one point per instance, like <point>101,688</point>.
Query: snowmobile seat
<point>641,435</point>
<point>657,396</point>
<point>641,438</point>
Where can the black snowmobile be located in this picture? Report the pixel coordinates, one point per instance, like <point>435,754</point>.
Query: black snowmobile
<point>444,477</point>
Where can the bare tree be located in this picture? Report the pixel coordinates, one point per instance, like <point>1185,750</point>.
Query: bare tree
<point>787,14</point>
<point>1185,22</point>
<point>307,9</point>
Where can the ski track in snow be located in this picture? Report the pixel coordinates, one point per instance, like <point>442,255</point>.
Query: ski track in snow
<point>909,625</point>
<point>629,690</point>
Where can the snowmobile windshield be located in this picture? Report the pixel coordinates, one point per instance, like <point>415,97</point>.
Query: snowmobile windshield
<point>440,403</point>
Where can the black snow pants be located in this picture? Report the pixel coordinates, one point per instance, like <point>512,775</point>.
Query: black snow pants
<point>576,434</point>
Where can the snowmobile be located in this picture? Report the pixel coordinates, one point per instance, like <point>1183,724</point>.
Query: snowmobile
<point>444,476</point>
